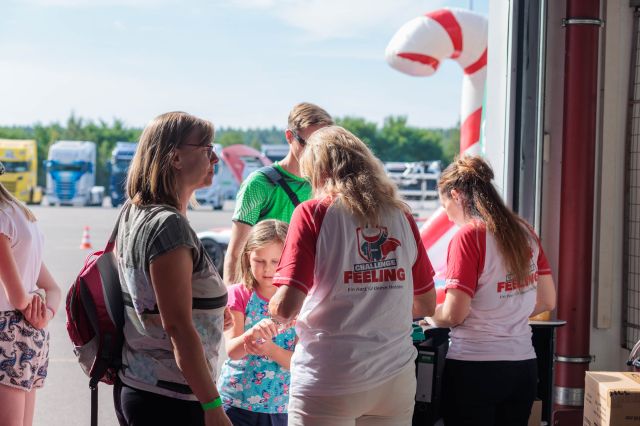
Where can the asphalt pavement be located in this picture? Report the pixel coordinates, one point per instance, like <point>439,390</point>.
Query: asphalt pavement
<point>65,398</point>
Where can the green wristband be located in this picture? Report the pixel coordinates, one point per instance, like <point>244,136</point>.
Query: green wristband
<point>212,404</point>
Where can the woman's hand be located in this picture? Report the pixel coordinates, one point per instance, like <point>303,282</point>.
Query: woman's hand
<point>228,319</point>
<point>216,417</point>
<point>36,312</point>
<point>266,329</point>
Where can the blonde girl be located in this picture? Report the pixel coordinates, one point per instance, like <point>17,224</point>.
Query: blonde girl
<point>255,379</point>
<point>29,298</point>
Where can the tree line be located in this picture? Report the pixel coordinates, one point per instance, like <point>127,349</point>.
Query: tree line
<point>395,140</point>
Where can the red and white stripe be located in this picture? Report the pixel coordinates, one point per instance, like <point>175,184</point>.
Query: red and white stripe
<point>417,49</point>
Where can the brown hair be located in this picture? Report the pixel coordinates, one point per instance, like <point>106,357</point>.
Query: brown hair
<point>7,199</point>
<point>306,114</point>
<point>151,178</point>
<point>471,176</point>
<point>341,165</point>
<point>262,234</point>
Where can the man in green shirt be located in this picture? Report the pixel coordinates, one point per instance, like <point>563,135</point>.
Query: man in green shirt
<point>260,198</point>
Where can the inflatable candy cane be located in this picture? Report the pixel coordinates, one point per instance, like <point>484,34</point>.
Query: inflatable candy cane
<point>417,49</point>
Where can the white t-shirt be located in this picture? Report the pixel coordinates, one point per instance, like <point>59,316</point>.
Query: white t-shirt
<point>26,244</point>
<point>354,327</point>
<point>497,327</point>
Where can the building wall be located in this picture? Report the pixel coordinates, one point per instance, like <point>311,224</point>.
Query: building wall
<point>615,51</point>
<point>607,309</point>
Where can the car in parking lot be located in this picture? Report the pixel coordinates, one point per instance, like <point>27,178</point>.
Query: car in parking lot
<point>215,242</point>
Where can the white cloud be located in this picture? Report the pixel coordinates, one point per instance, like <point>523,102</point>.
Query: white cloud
<point>326,19</point>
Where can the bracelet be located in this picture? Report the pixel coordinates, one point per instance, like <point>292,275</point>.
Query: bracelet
<point>212,404</point>
<point>41,294</point>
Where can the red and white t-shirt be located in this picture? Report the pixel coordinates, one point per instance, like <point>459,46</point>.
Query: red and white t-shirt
<point>497,327</point>
<point>354,327</point>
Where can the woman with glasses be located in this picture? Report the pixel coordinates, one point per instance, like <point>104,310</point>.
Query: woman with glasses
<point>175,314</point>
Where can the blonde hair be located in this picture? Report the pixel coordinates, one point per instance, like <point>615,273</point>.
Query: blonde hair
<point>471,176</point>
<point>261,235</point>
<point>306,114</point>
<point>339,164</point>
<point>7,199</point>
<point>151,178</point>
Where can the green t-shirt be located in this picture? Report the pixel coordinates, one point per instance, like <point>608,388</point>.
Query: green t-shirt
<point>259,199</point>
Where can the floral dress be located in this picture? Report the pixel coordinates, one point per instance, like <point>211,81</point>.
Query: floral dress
<point>255,383</point>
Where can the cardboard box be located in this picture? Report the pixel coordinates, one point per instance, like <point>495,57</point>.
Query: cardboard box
<point>535,418</point>
<point>612,399</point>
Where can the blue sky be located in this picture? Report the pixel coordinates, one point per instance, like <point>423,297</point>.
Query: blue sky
<point>240,63</point>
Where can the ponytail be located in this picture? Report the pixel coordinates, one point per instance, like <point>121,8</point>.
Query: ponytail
<point>472,176</point>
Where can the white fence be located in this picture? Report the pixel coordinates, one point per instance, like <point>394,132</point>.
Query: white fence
<point>416,181</point>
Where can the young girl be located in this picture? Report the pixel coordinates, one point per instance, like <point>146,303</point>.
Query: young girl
<point>29,298</point>
<point>255,379</point>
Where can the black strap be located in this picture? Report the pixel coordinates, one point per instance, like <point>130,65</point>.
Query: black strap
<point>112,239</point>
<point>277,178</point>
<point>94,405</point>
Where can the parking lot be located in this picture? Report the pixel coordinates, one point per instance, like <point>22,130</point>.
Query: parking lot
<point>65,398</point>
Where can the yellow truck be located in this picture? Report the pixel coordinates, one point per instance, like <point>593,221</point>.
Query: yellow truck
<point>20,159</point>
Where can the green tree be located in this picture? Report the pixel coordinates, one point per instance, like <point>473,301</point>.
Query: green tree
<point>394,141</point>
<point>450,144</point>
<point>230,137</point>
<point>367,131</point>
<point>400,142</point>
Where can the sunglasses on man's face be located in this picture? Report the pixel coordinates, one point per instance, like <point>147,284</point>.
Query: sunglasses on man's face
<point>301,141</point>
<point>210,149</point>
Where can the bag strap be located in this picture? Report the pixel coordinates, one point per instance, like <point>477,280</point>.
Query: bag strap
<point>94,405</point>
<point>276,177</point>
<point>114,234</point>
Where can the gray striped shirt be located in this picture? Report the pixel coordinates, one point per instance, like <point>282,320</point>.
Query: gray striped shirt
<point>148,361</point>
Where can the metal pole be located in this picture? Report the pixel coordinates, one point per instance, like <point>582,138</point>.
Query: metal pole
<point>576,207</point>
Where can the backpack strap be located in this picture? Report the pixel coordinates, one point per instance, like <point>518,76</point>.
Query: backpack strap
<point>277,178</point>
<point>112,239</point>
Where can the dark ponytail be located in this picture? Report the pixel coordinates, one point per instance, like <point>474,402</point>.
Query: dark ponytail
<point>471,176</point>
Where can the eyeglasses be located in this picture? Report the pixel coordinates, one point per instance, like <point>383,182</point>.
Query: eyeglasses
<point>301,141</point>
<point>211,151</point>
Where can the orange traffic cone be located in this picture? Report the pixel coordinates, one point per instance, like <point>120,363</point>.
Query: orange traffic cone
<point>86,240</point>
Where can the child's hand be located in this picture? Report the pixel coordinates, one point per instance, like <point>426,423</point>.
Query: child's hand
<point>262,348</point>
<point>228,319</point>
<point>265,330</point>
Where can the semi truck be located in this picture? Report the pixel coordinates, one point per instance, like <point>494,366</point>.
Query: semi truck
<point>118,166</point>
<point>20,159</point>
<point>71,174</point>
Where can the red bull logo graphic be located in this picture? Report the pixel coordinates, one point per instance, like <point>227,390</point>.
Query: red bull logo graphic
<point>374,244</point>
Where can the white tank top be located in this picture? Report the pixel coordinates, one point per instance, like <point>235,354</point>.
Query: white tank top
<point>26,245</point>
